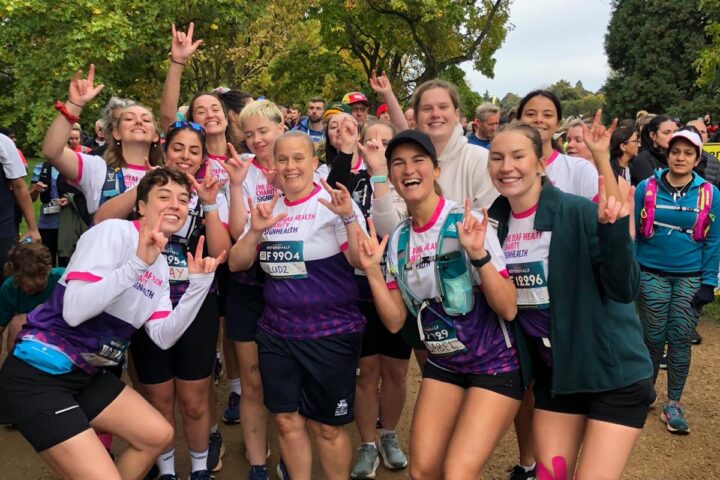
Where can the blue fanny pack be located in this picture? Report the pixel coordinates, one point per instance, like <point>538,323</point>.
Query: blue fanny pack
<point>43,356</point>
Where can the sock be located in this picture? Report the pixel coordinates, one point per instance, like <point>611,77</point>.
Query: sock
<point>214,429</point>
<point>105,439</point>
<point>528,469</point>
<point>372,444</point>
<point>198,460</point>
<point>234,385</point>
<point>166,463</point>
<point>385,431</point>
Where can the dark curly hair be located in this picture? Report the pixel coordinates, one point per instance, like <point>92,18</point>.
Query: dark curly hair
<point>29,264</point>
<point>159,177</point>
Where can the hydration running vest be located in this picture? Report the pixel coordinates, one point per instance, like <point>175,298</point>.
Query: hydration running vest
<point>698,232</point>
<point>451,272</point>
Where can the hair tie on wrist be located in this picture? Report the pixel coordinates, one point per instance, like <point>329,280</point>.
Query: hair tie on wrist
<point>60,107</point>
<point>176,62</point>
<point>73,103</point>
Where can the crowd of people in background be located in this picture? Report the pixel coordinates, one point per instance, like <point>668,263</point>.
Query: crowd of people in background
<point>540,269</point>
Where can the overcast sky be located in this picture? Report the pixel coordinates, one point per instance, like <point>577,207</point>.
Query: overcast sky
<point>551,40</point>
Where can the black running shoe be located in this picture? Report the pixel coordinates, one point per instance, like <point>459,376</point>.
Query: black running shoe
<point>517,472</point>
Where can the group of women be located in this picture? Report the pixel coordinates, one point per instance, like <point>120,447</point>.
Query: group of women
<point>512,272</point>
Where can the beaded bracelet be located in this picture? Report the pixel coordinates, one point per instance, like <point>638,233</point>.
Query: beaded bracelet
<point>349,219</point>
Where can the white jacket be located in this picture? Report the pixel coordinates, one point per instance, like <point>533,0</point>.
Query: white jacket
<point>463,174</point>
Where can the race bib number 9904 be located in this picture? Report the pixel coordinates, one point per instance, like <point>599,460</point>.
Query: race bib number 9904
<point>283,260</point>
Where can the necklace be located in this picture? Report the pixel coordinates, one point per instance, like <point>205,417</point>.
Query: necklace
<point>678,191</point>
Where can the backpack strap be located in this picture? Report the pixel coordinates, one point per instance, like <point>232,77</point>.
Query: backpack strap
<point>197,228</point>
<point>402,231</point>
<point>647,214</point>
<point>453,278</point>
<point>704,217</point>
<point>702,222</point>
<point>114,184</point>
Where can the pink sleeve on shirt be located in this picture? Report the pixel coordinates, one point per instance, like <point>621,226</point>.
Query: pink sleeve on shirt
<point>84,276</point>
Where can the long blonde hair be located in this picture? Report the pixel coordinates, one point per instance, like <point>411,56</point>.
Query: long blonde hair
<point>113,153</point>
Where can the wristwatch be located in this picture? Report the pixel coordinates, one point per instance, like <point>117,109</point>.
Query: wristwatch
<point>481,261</point>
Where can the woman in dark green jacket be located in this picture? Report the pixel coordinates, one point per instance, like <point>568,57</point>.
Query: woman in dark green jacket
<point>579,337</point>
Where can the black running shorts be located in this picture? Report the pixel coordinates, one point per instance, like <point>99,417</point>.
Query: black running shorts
<point>49,409</point>
<point>245,304</point>
<point>378,340</point>
<point>191,358</point>
<point>509,384</point>
<point>313,377</point>
<point>626,406</point>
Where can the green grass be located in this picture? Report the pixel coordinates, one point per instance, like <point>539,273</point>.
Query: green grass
<point>712,310</point>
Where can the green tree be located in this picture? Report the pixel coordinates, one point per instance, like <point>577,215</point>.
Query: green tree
<point>44,42</point>
<point>652,46</point>
<point>585,106</point>
<point>564,91</point>
<point>308,68</point>
<point>416,40</point>
<point>509,101</point>
<point>708,62</point>
<point>469,99</point>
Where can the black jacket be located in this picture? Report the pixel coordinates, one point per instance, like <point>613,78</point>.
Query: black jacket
<point>645,164</point>
<point>709,168</point>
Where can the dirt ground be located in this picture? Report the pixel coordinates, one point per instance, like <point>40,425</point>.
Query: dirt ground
<point>658,455</point>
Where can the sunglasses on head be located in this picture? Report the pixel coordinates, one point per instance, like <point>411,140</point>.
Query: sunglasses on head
<point>185,124</point>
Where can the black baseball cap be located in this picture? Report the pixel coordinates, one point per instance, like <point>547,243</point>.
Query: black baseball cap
<point>411,136</point>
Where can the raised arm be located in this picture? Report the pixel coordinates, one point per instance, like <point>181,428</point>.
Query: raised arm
<point>619,270</point>
<point>236,169</point>
<point>168,324</point>
<point>218,239</point>
<point>55,149</point>
<point>383,87</point>
<point>87,295</point>
<point>383,208</point>
<point>120,206</point>
<point>181,50</point>
<point>342,204</point>
<point>498,290</point>
<point>243,253</point>
<point>340,169</point>
<point>597,139</point>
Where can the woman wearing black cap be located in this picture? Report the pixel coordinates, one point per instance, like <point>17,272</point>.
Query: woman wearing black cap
<point>437,261</point>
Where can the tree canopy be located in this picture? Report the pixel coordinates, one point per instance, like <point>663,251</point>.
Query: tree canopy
<point>287,50</point>
<point>653,47</point>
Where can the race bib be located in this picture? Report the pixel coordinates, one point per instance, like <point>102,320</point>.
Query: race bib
<point>441,338</point>
<point>51,208</point>
<point>531,284</point>
<point>110,353</point>
<point>177,262</point>
<point>283,260</point>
